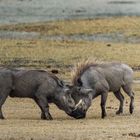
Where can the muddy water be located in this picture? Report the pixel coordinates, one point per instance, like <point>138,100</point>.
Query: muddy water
<point>17,11</point>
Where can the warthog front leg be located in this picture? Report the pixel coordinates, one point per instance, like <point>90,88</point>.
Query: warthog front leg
<point>42,102</point>
<point>3,95</point>
<point>120,97</point>
<point>103,103</point>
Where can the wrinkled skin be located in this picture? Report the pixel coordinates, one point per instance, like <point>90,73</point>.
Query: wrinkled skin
<point>101,79</point>
<point>39,85</point>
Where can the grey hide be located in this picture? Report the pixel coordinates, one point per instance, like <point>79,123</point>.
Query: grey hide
<point>99,79</point>
<point>41,86</point>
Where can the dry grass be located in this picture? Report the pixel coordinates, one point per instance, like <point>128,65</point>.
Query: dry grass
<point>127,25</point>
<point>66,53</point>
<point>39,53</point>
<point>23,116</point>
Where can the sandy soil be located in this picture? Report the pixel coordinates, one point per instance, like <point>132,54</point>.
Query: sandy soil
<point>23,122</point>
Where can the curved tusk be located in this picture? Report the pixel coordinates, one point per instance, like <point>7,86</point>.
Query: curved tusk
<point>80,102</point>
<point>64,98</point>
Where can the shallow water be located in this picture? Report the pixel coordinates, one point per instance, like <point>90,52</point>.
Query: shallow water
<point>18,11</point>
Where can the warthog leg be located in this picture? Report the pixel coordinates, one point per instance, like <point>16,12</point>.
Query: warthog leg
<point>43,116</point>
<point>120,97</point>
<point>3,95</point>
<point>42,102</point>
<point>103,103</point>
<point>128,89</point>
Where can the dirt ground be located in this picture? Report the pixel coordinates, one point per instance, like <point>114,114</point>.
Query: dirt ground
<point>23,115</point>
<point>23,121</point>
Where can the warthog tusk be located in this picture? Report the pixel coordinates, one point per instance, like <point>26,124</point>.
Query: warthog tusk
<point>80,102</point>
<point>64,98</point>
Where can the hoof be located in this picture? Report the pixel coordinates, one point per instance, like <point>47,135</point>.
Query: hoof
<point>131,109</point>
<point>43,117</point>
<point>47,118</point>
<point>2,118</point>
<point>119,112</point>
<point>104,116</point>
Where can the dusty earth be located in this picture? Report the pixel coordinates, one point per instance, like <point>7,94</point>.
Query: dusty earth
<point>22,115</point>
<point>23,121</point>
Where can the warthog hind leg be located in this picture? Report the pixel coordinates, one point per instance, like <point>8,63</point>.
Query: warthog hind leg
<point>120,97</point>
<point>127,89</point>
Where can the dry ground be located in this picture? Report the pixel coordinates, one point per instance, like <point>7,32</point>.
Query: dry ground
<point>23,116</point>
<point>23,122</point>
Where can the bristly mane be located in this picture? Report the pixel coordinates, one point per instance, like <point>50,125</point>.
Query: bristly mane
<point>80,68</point>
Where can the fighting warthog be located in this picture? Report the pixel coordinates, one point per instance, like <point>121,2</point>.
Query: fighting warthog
<point>41,86</point>
<point>91,80</point>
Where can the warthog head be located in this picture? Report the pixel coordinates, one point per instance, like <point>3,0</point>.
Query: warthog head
<point>63,99</point>
<point>82,97</point>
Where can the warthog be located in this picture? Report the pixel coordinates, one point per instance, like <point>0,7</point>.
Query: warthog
<point>41,86</point>
<point>91,80</point>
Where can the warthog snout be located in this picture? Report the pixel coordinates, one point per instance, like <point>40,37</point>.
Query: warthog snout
<point>78,114</point>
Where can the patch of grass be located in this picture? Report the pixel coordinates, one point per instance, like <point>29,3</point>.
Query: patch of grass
<point>64,54</point>
<point>69,52</point>
<point>127,25</point>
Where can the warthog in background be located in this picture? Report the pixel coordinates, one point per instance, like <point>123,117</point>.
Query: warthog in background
<point>91,80</point>
<point>39,85</point>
